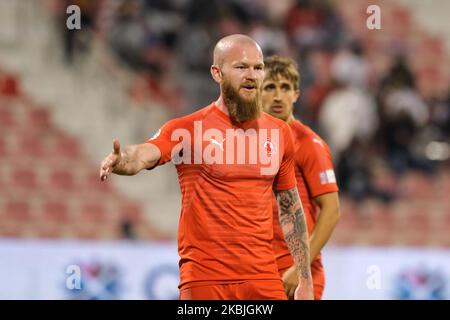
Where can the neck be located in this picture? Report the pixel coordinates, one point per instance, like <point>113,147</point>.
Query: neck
<point>290,118</point>
<point>222,106</point>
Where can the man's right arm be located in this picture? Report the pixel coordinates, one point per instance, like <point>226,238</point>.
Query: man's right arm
<point>293,225</point>
<point>130,161</point>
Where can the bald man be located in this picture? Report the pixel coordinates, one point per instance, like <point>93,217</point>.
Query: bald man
<point>229,156</point>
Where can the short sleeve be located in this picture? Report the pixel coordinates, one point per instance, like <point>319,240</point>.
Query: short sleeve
<point>315,160</point>
<point>164,140</point>
<point>285,178</point>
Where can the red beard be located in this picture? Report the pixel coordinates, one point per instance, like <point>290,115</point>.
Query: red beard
<point>241,109</point>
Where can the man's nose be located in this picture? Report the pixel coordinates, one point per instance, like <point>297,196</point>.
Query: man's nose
<point>250,74</point>
<point>277,95</point>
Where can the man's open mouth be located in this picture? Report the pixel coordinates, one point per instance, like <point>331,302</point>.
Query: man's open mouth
<point>249,86</point>
<point>277,108</point>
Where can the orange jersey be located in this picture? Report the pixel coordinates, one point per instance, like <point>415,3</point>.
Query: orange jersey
<point>225,230</point>
<point>315,176</point>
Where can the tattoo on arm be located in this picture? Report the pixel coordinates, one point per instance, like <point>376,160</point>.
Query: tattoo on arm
<point>293,224</point>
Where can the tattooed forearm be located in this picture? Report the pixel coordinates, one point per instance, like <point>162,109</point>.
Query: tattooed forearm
<point>293,224</point>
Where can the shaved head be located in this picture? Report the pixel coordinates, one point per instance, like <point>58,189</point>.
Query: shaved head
<point>228,44</point>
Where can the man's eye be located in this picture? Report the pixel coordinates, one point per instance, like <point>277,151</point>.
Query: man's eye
<point>240,67</point>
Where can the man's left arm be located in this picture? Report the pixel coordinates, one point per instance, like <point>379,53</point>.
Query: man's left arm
<point>326,222</point>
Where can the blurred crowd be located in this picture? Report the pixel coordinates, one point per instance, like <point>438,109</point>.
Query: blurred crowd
<point>368,117</point>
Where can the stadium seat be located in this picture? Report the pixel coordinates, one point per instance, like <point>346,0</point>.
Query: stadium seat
<point>130,211</point>
<point>62,180</point>
<point>31,146</point>
<point>38,120</point>
<point>92,212</point>
<point>6,118</point>
<point>55,211</point>
<point>3,147</point>
<point>46,230</point>
<point>16,210</point>
<point>92,182</point>
<point>24,178</point>
<point>67,147</point>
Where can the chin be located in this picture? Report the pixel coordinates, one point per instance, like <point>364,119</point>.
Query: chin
<point>277,115</point>
<point>248,98</point>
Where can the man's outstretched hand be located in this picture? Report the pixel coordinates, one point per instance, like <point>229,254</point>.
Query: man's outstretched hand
<point>111,160</point>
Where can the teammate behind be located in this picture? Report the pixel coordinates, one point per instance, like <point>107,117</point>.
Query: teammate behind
<point>316,181</point>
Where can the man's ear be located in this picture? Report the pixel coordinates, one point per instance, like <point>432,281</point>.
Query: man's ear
<point>216,73</point>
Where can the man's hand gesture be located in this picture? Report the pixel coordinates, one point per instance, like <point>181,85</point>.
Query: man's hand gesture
<point>111,160</point>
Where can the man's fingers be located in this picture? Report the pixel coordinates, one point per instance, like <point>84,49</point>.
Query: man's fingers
<point>289,288</point>
<point>109,161</point>
<point>116,146</point>
<point>291,293</point>
<point>104,173</point>
<point>106,166</point>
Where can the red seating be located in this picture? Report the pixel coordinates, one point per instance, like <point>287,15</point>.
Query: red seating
<point>6,118</point>
<point>9,85</point>
<point>88,233</point>
<point>44,229</point>
<point>24,178</point>
<point>62,180</point>
<point>38,158</point>
<point>130,211</point>
<point>93,212</point>
<point>85,231</point>
<point>3,147</point>
<point>92,182</point>
<point>54,211</point>
<point>17,211</point>
<point>67,147</point>
<point>38,120</point>
<point>31,146</point>
<point>13,230</point>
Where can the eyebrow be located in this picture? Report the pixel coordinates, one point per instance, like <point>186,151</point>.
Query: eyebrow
<point>269,85</point>
<point>235,63</point>
<point>272,82</point>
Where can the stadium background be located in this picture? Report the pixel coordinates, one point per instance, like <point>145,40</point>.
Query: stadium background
<point>381,98</point>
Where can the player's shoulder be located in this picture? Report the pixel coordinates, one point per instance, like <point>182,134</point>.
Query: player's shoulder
<point>306,135</point>
<point>190,118</point>
<point>303,129</point>
<point>274,122</point>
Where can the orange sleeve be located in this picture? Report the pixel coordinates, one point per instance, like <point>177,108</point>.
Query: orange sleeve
<point>168,143</point>
<point>316,162</point>
<point>285,179</point>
